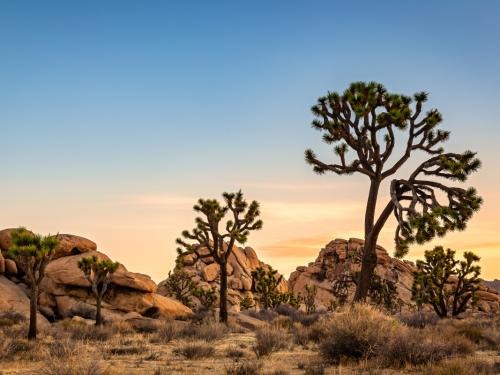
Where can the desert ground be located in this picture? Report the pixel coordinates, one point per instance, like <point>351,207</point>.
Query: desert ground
<point>359,340</point>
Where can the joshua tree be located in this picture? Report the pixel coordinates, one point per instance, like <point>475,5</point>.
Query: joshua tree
<point>446,283</point>
<point>266,283</point>
<point>310,298</point>
<point>32,253</point>
<point>180,286</point>
<point>98,273</point>
<point>366,120</point>
<point>217,243</point>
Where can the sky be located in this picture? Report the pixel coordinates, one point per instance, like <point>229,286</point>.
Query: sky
<point>116,116</point>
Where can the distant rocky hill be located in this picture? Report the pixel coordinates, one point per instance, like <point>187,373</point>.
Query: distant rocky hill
<point>241,263</point>
<point>65,292</point>
<point>336,259</point>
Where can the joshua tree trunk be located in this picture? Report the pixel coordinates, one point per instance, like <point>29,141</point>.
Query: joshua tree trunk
<point>223,292</point>
<point>369,259</point>
<point>372,231</point>
<point>33,311</point>
<point>98,317</point>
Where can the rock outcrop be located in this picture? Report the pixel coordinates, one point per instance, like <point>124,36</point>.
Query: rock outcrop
<point>336,259</point>
<point>65,292</point>
<point>241,263</point>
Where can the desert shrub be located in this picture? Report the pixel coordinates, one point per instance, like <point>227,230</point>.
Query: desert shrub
<point>485,332</point>
<point>416,347</point>
<point>209,331</point>
<point>122,328</point>
<point>127,350</point>
<point>265,315</point>
<point>20,348</point>
<point>269,340</point>
<point>195,350</point>
<point>62,348</point>
<point>84,332</point>
<point>297,315</point>
<point>279,372</point>
<point>233,352</point>
<point>302,335</point>
<point>419,319</point>
<point>166,332</point>
<point>357,332</point>
<point>462,366</point>
<point>245,368</point>
<point>10,318</point>
<point>314,369</point>
<point>145,326</point>
<point>71,366</point>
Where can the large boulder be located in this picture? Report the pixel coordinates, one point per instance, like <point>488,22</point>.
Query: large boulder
<point>70,244</point>
<point>10,267</point>
<point>205,271</point>
<point>14,298</point>
<point>341,257</point>
<point>65,271</point>
<point>2,264</point>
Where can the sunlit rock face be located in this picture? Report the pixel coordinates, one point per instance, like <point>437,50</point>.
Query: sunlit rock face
<point>65,293</point>
<point>241,263</point>
<point>336,259</point>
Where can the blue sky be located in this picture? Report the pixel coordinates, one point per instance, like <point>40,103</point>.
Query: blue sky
<point>103,103</point>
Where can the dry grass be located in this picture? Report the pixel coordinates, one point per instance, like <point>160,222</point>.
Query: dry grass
<point>195,350</point>
<point>245,368</point>
<point>463,366</point>
<point>173,347</point>
<point>269,340</point>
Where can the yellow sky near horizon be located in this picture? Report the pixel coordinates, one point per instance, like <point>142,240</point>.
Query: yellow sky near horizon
<point>140,230</point>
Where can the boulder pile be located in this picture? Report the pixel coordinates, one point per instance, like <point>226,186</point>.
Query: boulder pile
<point>205,271</point>
<point>65,292</point>
<point>336,260</point>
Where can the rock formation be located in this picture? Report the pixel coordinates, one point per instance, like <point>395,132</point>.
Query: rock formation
<point>336,259</point>
<point>65,292</point>
<point>241,263</point>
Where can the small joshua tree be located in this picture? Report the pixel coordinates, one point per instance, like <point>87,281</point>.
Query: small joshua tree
<point>219,244</point>
<point>367,121</point>
<point>266,283</point>
<point>446,284</point>
<point>180,286</point>
<point>98,273</point>
<point>207,297</point>
<point>310,298</point>
<point>32,253</point>
<point>246,303</point>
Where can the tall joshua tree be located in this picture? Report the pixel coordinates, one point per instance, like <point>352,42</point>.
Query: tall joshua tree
<point>32,253</point>
<point>219,243</point>
<point>369,121</point>
<point>98,273</point>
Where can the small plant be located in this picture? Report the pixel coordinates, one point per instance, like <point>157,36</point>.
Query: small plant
<point>246,303</point>
<point>310,298</point>
<point>207,297</point>
<point>269,340</point>
<point>179,284</point>
<point>195,350</point>
<point>448,285</point>
<point>98,273</point>
<point>32,253</point>
<point>245,368</point>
